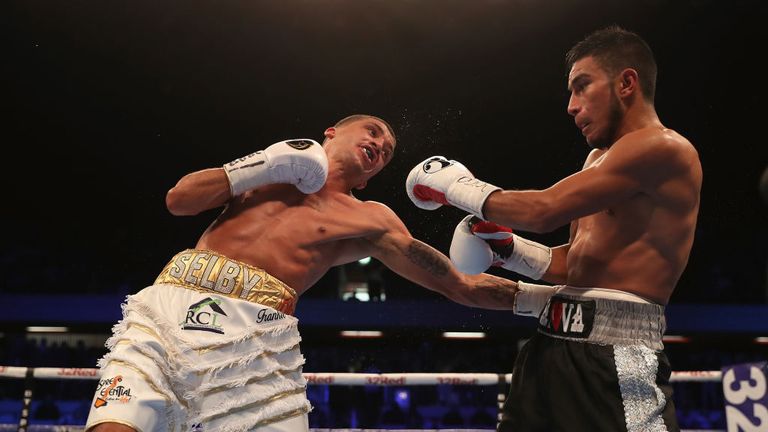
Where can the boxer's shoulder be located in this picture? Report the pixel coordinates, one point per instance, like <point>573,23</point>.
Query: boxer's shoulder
<point>593,157</point>
<point>365,216</point>
<point>649,147</point>
<point>380,212</point>
<point>659,140</point>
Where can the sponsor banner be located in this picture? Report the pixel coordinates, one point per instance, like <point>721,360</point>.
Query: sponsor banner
<point>568,317</point>
<point>746,397</point>
<point>112,390</point>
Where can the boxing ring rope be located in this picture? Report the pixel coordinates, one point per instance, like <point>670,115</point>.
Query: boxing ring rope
<point>323,378</point>
<point>349,379</point>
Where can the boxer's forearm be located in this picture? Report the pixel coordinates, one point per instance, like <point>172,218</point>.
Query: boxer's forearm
<point>530,211</point>
<point>426,266</point>
<point>483,290</point>
<point>490,292</point>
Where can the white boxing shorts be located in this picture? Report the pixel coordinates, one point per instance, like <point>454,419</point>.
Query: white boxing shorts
<point>211,346</point>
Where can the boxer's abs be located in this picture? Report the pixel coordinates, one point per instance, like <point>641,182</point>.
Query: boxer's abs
<point>627,252</point>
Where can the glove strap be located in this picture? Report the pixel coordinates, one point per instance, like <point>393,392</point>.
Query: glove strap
<point>530,299</point>
<point>528,258</point>
<point>469,194</point>
<point>247,172</point>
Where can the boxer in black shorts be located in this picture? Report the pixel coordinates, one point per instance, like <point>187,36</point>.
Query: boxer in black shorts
<point>606,370</point>
<point>596,361</point>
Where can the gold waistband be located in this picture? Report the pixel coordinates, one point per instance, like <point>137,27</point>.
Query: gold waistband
<point>204,270</point>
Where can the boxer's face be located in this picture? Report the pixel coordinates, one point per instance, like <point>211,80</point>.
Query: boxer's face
<point>594,104</point>
<point>364,147</point>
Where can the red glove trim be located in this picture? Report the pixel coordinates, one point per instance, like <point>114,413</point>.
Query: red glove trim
<point>426,193</point>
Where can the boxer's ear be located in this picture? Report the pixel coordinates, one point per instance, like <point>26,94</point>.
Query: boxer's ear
<point>628,82</point>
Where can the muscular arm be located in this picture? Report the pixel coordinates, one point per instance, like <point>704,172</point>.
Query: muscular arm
<point>424,265</point>
<point>634,164</point>
<point>197,192</point>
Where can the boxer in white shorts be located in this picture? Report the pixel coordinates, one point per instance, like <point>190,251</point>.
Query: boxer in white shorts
<point>212,342</point>
<point>212,345</point>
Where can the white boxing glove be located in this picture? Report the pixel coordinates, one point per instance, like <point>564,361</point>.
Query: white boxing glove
<point>437,181</point>
<point>469,253</point>
<point>300,162</point>
<point>511,251</point>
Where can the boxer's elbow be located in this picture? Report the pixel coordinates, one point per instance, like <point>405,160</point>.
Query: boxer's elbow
<point>197,192</point>
<point>177,204</point>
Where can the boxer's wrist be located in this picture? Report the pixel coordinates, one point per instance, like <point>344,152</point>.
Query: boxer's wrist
<point>469,194</point>
<point>247,172</point>
<point>528,258</point>
<point>530,299</point>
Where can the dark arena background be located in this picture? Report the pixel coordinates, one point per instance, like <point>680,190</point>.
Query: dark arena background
<point>108,103</point>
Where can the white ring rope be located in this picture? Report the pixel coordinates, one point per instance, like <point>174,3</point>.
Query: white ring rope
<point>353,379</point>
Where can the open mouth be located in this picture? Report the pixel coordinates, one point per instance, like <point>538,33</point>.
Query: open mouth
<point>369,155</point>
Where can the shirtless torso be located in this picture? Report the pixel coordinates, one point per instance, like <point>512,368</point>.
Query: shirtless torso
<point>298,237</point>
<point>640,244</point>
<point>633,207</point>
<point>632,212</point>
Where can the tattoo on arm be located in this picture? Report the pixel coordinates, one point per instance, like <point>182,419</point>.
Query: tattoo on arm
<point>427,258</point>
<point>485,290</point>
<point>500,291</point>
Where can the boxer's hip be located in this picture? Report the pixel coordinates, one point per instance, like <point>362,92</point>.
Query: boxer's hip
<point>207,354</point>
<point>208,271</point>
<point>604,317</point>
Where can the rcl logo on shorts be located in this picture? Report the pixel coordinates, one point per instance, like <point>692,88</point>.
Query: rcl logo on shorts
<point>205,315</point>
<point>567,317</point>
